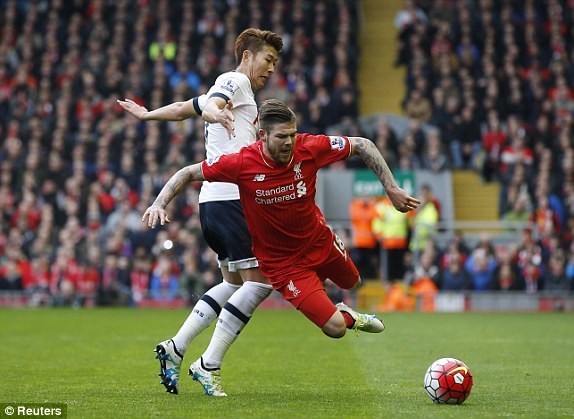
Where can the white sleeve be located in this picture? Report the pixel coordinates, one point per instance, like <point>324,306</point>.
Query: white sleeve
<point>199,103</point>
<point>228,85</point>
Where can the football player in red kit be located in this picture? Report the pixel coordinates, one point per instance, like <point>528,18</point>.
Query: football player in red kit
<point>295,248</point>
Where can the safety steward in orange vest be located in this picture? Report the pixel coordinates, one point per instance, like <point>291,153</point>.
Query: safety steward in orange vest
<point>365,246</point>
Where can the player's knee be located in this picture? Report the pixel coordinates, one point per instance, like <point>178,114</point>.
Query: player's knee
<point>233,278</point>
<point>335,327</point>
<point>351,282</point>
<point>357,282</point>
<point>254,275</point>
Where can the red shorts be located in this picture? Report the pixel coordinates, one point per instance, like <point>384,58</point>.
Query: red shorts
<point>304,287</point>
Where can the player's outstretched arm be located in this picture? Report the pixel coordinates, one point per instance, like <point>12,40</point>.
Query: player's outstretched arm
<point>177,111</point>
<point>218,111</point>
<point>368,152</point>
<point>170,190</point>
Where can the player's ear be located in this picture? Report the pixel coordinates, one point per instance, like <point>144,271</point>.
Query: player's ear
<point>262,135</point>
<point>245,56</point>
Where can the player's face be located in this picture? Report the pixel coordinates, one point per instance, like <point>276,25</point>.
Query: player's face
<point>279,142</point>
<point>261,66</point>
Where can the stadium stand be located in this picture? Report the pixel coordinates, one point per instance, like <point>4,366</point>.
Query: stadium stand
<point>77,172</point>
<point>489,89</point>
<point>497,77</point>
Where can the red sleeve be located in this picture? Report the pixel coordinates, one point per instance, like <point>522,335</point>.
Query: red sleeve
<point>327,149</point>
<point>222,169</point>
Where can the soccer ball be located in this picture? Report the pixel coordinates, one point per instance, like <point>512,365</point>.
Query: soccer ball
<point>448,380</point>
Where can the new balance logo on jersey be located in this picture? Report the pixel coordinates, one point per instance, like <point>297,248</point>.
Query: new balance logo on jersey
<point>301,189</point>
<point>259,178</point>
<point>297,169</point>
<point>291,287</point>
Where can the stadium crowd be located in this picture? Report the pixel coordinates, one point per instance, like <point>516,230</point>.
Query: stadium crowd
<point>494,81</point>
<point>77,172</point>
<point>497,80</point>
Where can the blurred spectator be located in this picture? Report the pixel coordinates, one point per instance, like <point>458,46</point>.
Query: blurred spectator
<point>434,158</point>
<point>140,275</point>
<point>517,151</point>
<point>164,281</point>
<point>364,243</point>
<point>408,15</point>
<point>418,107</point>
<point>519,213</point>
<point>88,281</point>
<point>64,275</point>
<point>10,276</point>
<point>112,291</point>
<point>480,265</point>
<point>454,277</point>
<point>391,229</point>
<point>554,277</point>
<point>493,142</point>
<point>544,218</point>
<point>386,141</point>
<point>466,143</point>
<point>507,276</point>
<point>531,274</point>
<point>426,271</point>
<point>424,222</point>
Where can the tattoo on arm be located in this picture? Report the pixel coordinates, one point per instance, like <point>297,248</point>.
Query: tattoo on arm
<point>178,182</point>
<point>372,157</point>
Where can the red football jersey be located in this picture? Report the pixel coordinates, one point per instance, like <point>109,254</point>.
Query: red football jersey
<point>287,228</point>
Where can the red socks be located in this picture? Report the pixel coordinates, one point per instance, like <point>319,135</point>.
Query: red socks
<point>349,321</point>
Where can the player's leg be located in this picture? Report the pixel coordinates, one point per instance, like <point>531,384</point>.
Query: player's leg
<point>319,308</point>
<point>341,270</point>
<point>237,311</point>
<point>234,317</point>
<point>305,291</point>
<point>207,308</point>
<point>170,352</point>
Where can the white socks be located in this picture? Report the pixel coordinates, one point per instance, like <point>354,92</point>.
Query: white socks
<point>203,313</point>
<point>233,318</point>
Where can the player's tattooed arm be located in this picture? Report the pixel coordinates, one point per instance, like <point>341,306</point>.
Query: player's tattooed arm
<point>372,157</point>
<point>171,189</point>
<point>368,152</point>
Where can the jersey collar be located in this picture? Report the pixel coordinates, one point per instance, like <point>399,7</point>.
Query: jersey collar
<point>268,162</point>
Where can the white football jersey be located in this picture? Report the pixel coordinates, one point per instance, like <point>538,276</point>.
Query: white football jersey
<point>236,87</point>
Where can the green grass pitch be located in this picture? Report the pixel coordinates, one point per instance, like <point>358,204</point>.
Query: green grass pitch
<point>100,362</point>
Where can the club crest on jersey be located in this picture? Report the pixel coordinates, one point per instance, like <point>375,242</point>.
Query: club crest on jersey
<point>337,143</point>
<point>211,161</point>
<point>230,86</point>
<point>297,170</point>
<point>291,287</point>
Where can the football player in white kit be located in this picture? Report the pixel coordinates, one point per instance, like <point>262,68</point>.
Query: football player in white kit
<point>230,112</point>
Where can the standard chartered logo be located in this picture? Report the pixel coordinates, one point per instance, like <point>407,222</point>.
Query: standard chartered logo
<point>280,193</point>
